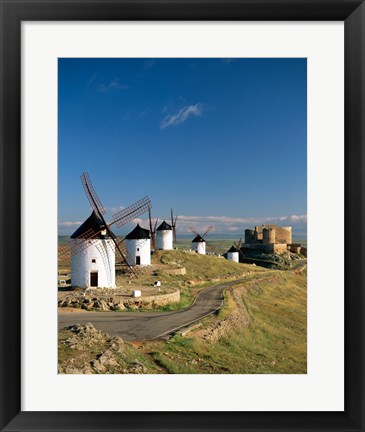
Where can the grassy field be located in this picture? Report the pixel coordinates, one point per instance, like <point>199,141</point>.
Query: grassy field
<point>273,342</point>
<point>201,271</point>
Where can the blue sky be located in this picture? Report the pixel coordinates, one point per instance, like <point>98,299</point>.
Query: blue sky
<point>221,141</point>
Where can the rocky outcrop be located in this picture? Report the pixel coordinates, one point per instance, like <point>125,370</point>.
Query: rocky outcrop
<point>94,352</point>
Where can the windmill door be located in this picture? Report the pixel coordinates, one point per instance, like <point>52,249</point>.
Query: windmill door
<point>138,260</point>
<point>94,279</point>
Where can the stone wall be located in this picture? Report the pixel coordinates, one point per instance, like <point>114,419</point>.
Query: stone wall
<point>267,248</point>
<point>295,248</point>
<point>177,271</point>
<point>110,303</point>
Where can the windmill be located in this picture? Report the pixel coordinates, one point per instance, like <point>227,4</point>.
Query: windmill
<point>97,228</point>
<point>237,245</point>
<point>153,231</point>
<point>198,243</point>
<point>173,224</point>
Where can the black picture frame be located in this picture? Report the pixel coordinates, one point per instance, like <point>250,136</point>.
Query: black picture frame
<point>13,12</point>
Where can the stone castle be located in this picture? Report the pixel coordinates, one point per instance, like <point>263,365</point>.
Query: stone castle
<point>271,239</point>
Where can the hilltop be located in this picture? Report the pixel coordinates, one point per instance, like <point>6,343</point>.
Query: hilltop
<point>179,271</point>
<point>261,328</point>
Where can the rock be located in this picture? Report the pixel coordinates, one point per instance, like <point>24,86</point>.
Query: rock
<point>72,370</point>
<point>98,366</point>
<point>138,368</point>
<point>87,370</point>
<point>117,344</point>
<point>107,359</point>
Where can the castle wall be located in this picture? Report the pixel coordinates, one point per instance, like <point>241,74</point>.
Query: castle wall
<point>282,234</point>
<point>295,248</point>
<point>278,248</point>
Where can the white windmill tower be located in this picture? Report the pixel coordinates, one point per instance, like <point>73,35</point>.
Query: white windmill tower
<point>93,245</point>
<point>93,266</point>
<point>164,237</point>
<point>166,234</point>
<point>198,244</point>
<point>138,246</point>
<point>233,254</point>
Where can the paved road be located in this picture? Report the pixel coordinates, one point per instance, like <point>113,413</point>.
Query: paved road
<point>132,326</point>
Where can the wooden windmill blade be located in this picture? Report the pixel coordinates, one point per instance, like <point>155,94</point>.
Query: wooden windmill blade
<point>174,229</point>
<point>92,196</point>
<point>82,244</point>
<point>129,213</point>
<point>173,224</point>
<point>192,230</point>
<point>153,232</point>
<point>119,249</point>
<point>126,259</point>
<point>210,227</point>
<point>238,246</point>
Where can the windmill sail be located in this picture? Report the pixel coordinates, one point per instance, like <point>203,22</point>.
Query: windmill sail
<point>84,240</point>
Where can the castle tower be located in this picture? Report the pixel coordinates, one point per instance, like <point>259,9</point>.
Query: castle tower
<point>138,245</point>
<point>268,235</point>
<point>93,266</point>
<point>288,238</point>
<point>250,236</point>
<point>233,254</point>
<point>164,238</point>
<point>198,244</point>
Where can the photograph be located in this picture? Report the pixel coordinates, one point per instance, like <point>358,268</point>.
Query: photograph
<point>166,166</point>
<point>182,216</point>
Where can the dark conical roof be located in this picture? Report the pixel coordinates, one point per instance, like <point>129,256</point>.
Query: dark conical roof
<point>233,249</point>
<point>164,227</point>
<point>138,233</point>
<point>198,239</point>
<point>93,223</point>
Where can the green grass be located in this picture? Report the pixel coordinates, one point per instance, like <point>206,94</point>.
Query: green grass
<point>274,341</point>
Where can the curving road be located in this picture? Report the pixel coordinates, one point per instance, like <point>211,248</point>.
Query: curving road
<point>133,326</point>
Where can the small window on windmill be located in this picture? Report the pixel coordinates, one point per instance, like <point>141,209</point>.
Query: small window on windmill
<point>137,249</point>
<point>93,260</point>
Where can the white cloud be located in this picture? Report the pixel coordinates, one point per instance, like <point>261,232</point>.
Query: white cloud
<point>236,224</point>
<point>69,224</point>
<point>221,224</point>
<point>111,86</point>
<point>182,115</point>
